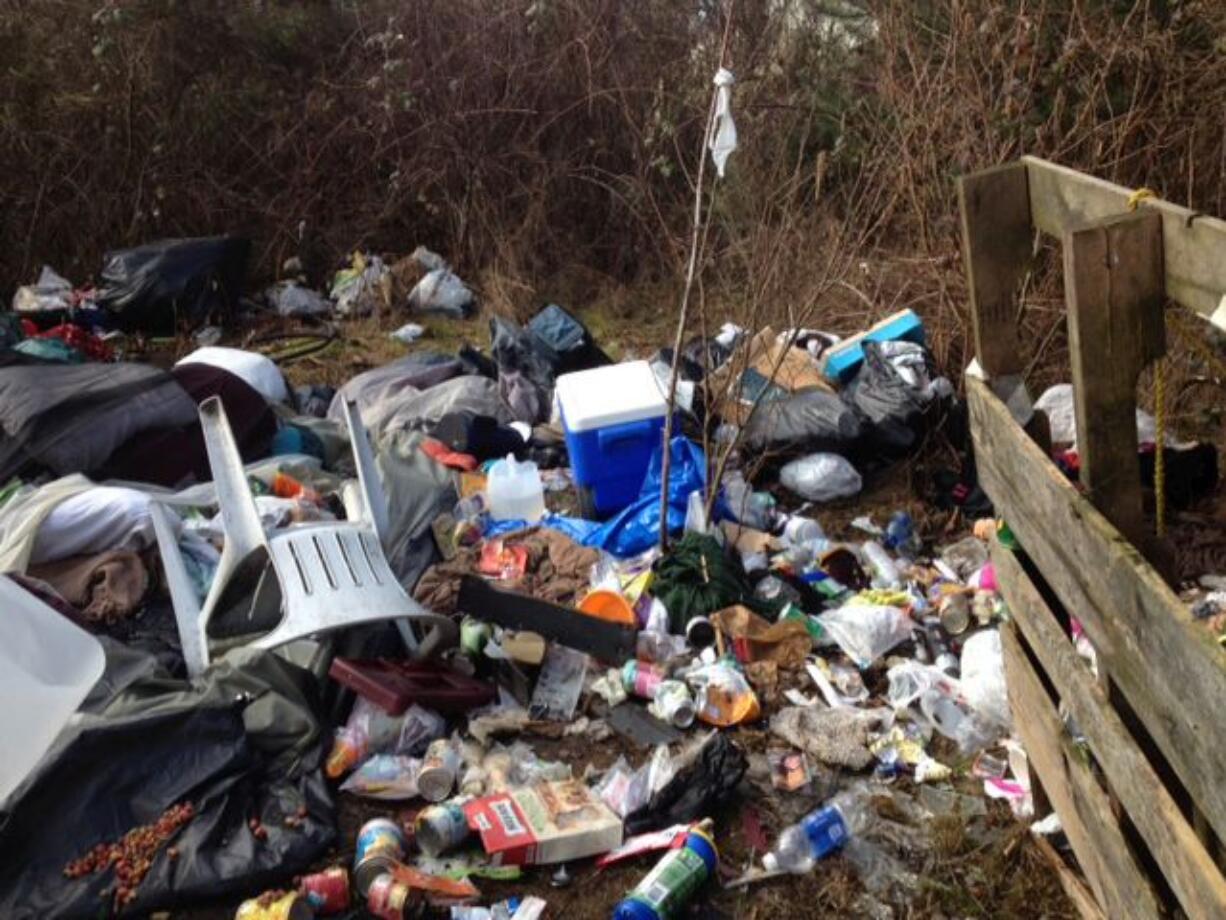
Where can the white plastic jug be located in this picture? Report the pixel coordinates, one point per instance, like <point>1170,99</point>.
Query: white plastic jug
<point>514,491</point>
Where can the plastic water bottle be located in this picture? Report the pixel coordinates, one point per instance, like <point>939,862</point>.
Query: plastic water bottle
<point>664,890</point>
<point>885,572</point>
<point>820,833</point>
<point>900,534</point>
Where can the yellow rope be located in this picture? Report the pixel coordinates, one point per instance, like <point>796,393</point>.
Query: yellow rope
<point>1134,200</point>
<point>1141,194</point>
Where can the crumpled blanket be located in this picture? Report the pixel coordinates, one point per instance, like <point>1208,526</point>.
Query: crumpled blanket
<point>838,737</point>
<point>105,587</point>
<point>558,570</point>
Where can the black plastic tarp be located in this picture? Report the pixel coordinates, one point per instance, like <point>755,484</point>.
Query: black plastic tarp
<point>243,743</point>
<point>163,286</point>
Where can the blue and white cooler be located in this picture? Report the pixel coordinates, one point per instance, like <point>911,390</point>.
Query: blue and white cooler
<point>613,418</point>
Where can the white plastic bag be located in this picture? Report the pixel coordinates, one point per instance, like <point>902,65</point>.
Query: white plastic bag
<point>442,291</point>
<point>291,299</point>
<point>983,677</point>
<point>866,632</point>
<point>821,477</point>
<point>723,136</point>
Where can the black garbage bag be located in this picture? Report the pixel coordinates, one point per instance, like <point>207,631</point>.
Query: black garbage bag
<point>697,791</point>
<point>161,287</point>
<point>805,422</point>
<point>564,341</point>
<point>704,354</point>
<point>244,743</point>
<point>891,408</point>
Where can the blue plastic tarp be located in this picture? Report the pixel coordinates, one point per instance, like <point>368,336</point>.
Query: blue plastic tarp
<point>636,528</point>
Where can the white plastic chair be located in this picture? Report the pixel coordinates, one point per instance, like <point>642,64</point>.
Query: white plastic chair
<point>308,578</point>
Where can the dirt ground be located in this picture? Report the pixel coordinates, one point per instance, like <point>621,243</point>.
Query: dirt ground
<point>968,865</point>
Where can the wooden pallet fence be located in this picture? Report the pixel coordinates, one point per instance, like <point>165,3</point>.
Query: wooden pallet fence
<point>1142,798</point>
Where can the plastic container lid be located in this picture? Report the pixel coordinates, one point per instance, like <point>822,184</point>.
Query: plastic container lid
<point>610,395</point>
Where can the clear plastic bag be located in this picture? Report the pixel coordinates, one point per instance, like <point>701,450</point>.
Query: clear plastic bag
<point>387,777</point>
<point>910,680</point>
<point>866,632</point>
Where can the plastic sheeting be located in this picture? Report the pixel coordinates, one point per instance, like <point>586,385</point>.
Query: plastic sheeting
<point>243,744</point>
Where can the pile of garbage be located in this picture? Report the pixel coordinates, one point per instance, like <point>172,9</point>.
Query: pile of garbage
<point>450,588</point>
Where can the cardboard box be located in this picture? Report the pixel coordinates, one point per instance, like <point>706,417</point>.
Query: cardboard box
<point>758,358</point>
<point>545,823</point>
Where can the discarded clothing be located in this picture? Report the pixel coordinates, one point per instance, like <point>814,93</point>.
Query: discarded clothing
<point>557,570</point>
<point>97,520</point>
<point>170,456</point>
<point>418,490</point>
<point>482,436</point>
<point>382,385</point>
<point>396,406</point>
<point>696,579</point>
<point>441,453</point>
<point>23,514</point>
<point>837,737</point>
<point>105,587</point>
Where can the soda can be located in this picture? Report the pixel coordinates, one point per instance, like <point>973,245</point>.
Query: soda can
<point>327,892</point>
<point>955,613</point>
<point>438,771</point>
<point>642,679</point>
<point>389,899</point>
<point>380,847</point>
<point>474,634</point>
<point>674,704</point>
<point>439,828</point>
<point>275,905</point>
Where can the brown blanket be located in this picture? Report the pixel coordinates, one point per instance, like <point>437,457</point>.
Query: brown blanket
<point>558,569</point>
<point>105,587</point>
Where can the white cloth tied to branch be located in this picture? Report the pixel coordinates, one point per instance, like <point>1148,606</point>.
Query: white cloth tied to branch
<point>723,134</point>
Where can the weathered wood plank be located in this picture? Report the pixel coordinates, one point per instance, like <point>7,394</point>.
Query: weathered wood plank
<point>996,243</point>
<point>1113,289</point>
<point>1076,889</point>
<point>1166,665</point>
<point>1187,866</point>
<point>1195,245</point>
<point>1085,812</point>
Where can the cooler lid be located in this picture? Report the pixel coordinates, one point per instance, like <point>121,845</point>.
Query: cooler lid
<point>610,395</point>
